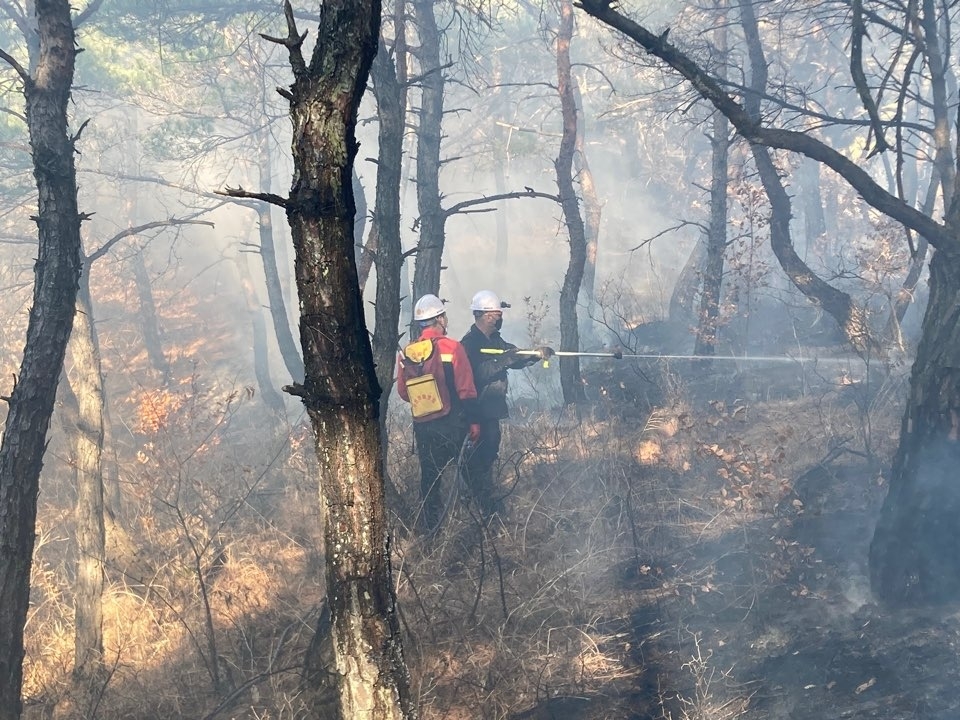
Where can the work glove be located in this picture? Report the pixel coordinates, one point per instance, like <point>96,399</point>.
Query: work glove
<point>546,352</point>
<point>474,434</point>
<point>512,360</point>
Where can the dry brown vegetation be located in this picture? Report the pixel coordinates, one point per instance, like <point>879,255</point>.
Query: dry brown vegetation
<point>656,551</point>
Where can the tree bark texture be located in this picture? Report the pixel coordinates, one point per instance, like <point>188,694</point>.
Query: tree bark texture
<point>592,207</point>
<point>57,275</point>
<point>571,383</point>
<point>87,440</point>
<point>340,389</point>
<point>706,339</point>
<point>429,259</point>
<point>391,111</point>
<point>915,553</point>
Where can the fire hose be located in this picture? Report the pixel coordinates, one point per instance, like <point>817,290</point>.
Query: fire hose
<point>619,355</point>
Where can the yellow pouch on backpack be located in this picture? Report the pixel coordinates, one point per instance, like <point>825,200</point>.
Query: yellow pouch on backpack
<point>424,396</point>
<point>419,351</point>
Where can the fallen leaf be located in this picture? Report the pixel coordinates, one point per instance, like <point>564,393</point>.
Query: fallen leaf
<point>866,686</point>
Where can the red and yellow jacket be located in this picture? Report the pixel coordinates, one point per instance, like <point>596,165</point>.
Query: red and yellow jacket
<point>457,372</point>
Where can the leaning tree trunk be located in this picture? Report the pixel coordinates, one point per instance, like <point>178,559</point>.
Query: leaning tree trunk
<point>87,383</point>
<point>850,318</point>
<point>923,502</point>
<point>57,271</point>
<point>340,390</point>
<point>570,381</point>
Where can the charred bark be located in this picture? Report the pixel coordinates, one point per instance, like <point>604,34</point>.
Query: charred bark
<point>570,381</point>
<point>391,109</point>
<point>706,338</point>
<point>57,276</point>
<point>914,555</point>
<point>340,389</point>
<point>427,266</point>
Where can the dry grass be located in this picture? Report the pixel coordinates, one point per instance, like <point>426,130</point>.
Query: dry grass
<point>606,524</point>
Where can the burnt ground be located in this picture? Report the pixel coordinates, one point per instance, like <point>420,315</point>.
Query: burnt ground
<point>693,546</point>
<point>812,644</point>
<point>764,610</point>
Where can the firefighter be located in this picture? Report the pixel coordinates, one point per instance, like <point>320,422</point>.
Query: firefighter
<point>435,377</point>
<point>490,357</point>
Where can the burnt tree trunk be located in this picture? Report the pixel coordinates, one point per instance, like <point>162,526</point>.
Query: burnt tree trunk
<point>429,258</point>
<point>915,552</point>
<point>391,109</point>
<point>57,277</point>
<point>340,390</point>
<point>592,207</point>
<point>706,337</point>
<point>570,381</point>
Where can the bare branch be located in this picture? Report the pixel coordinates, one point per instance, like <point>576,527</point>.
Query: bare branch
<point>137,230</point>
<point>271,198</point>
<point>527,193</point>
<point>87,12</point>
<point>860,80</point>
<point>752,130</point>
<point>12,62</point>
<point>293,42</point>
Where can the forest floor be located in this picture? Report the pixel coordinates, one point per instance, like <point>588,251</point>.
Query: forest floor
<point>690,545</point>
<point>710,546</point>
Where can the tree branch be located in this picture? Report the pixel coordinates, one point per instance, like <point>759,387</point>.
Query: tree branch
<point>940,236</point>
<point>12,62</point>
<point>87,12</point>
<point>271,198</point>
<point>293,42</point>
<point>137,230</point>
<point>527,193</point>
<point>858,32</point>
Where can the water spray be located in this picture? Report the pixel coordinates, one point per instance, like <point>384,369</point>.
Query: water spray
<point>618,355</point>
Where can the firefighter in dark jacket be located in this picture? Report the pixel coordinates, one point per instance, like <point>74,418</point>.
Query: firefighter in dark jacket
<point>490,377</point>
<point>435,377</point>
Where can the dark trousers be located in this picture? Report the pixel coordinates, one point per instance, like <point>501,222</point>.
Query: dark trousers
<point>480,464</point>
<point>438,447</point>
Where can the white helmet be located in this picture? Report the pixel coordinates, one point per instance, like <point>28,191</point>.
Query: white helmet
<point>486,301</point>
<point>428,307</point>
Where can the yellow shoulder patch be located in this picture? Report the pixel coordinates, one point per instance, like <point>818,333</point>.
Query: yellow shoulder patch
<point>418,351</point>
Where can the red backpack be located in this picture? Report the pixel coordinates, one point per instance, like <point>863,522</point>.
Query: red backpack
<point>426,381</point>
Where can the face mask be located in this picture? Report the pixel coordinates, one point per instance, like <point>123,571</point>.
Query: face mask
<point>498,324</point>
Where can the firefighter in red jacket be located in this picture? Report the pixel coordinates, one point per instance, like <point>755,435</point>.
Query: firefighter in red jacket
<point>435,377</point>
